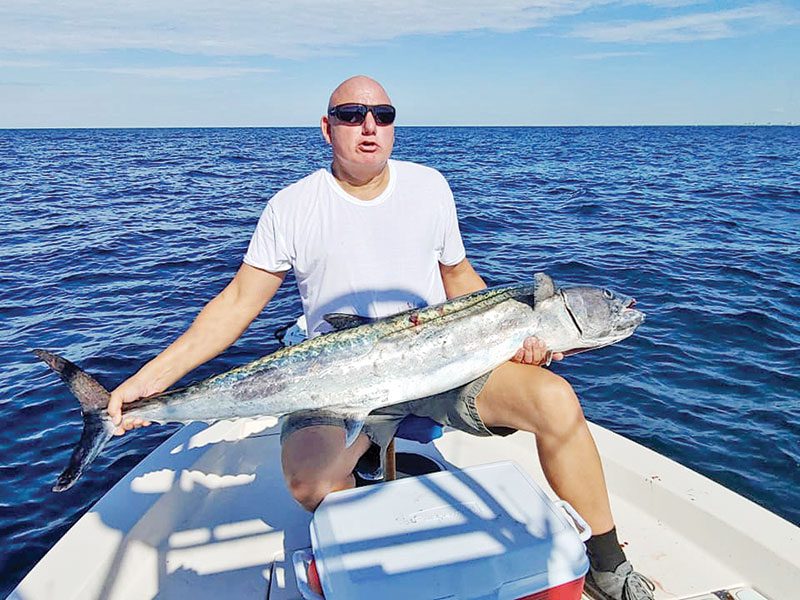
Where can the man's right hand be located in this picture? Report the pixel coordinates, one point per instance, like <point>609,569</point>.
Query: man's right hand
<point>131,389</point>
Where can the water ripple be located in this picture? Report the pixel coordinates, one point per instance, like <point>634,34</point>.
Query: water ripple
<point>114,239</point>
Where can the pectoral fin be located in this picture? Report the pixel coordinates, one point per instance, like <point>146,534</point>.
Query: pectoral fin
<point>353,423</point>
<point>352,427</point>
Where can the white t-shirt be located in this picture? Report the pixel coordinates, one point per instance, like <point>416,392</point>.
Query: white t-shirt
<point>366,257</point>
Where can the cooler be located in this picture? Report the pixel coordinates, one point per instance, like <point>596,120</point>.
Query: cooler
<point>485,532</point>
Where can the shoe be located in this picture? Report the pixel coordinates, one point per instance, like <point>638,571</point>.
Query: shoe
<point>623,584</point>
<point>369,466</point>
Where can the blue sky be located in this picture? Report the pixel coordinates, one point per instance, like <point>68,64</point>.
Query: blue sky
<point>92,63</point>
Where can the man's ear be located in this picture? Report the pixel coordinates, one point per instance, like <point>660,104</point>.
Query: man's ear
<point>325,126</point>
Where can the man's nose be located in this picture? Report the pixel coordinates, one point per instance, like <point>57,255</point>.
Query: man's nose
<point>369,125</point>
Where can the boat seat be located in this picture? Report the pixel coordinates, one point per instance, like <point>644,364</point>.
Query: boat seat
<point>419,429</point>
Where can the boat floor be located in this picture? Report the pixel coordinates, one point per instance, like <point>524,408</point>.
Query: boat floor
<point>207,515</point>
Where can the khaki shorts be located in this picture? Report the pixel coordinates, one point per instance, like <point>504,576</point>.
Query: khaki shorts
<point>455,408</point>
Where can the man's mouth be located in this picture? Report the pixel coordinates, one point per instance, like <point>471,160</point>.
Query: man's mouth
<point>368,146</point>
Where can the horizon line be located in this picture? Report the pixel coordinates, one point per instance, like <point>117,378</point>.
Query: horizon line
<point>574,126</point>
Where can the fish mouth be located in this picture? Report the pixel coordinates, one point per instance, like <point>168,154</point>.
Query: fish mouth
<point>629,306</point>
<point>631,317</point>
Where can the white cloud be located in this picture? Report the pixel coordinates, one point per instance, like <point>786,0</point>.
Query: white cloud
<point>186,73</point>
<point>318,27</point>
<point>249,27</point>
<point>690,27</point>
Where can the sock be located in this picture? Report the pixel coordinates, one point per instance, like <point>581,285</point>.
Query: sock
<point>604,551</point>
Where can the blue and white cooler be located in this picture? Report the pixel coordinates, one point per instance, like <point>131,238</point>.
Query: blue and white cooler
<point>485,532</point>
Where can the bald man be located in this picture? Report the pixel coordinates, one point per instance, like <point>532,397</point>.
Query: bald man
<point>374,236</point>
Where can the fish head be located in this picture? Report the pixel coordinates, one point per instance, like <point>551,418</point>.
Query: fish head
<point>602,317</point>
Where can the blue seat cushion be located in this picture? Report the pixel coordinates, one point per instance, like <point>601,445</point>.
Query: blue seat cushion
<point>419,429</point>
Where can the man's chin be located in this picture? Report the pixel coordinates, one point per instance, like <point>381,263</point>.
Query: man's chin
<point>369,162</point>
<point>363,167</point>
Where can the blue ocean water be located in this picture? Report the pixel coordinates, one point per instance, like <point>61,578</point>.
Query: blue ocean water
<point>112,241</point>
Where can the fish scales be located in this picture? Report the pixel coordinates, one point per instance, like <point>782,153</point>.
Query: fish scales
<point>320,372</point>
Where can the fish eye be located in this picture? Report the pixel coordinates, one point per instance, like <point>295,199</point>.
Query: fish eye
<point>608,294</point>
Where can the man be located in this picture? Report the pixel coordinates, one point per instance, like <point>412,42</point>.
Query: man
<point>373,236</point>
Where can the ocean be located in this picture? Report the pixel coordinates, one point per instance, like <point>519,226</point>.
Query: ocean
<point>113,240</point>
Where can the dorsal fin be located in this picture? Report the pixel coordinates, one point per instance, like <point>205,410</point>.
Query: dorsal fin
<point>340,321</point>
<point>543,287</point>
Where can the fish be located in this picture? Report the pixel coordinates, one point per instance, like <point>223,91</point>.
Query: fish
<point>365,364</point>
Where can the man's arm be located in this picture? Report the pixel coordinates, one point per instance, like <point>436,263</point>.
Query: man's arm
<point>461,279</point>
<point>217,326</point>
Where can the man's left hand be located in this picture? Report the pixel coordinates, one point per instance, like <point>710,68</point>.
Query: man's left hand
<point>534,352</point>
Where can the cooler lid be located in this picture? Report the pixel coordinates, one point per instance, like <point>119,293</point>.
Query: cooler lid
<point>482,532</point>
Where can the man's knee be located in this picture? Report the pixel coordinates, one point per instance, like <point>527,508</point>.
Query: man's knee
<point>310,490</point>
<point>541,402</point>
<point>549,386</point>
<point>532,399</point>
<point>553,404</point>
<point>315,463</point>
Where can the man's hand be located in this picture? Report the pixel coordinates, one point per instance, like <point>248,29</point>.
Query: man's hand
<point>534,352</point>
<point>130,390</point>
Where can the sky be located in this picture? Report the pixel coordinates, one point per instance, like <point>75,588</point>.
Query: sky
<point>206,63</point>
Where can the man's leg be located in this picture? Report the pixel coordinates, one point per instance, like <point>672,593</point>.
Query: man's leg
<point>533,399</point>
<point>315,462</point>
<point>536,400</point>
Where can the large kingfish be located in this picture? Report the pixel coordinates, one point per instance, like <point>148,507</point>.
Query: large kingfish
<point>367,364</point>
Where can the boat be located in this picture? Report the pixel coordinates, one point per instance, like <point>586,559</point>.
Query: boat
<point>207,515</point>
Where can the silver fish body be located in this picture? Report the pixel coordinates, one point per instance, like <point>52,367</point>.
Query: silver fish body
<point>353,371</point>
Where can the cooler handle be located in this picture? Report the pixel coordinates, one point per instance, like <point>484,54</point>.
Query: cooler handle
<point>301,559</point>
<point>584,531</point>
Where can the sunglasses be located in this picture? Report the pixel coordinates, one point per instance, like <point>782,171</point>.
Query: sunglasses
<point>354,114</point>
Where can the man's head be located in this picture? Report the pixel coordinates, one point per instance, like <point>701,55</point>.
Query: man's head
<point>360,150</point>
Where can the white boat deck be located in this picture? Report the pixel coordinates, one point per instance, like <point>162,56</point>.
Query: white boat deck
<point>207,515</point>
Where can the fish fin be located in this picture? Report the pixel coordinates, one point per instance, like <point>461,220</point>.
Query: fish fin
<point>97,425</point>
<point>543,287</point>
<point>353,423</point>
<point>293,333</point>
<point>352,427</point>
<point>340,321</point>
<point>97,430</point>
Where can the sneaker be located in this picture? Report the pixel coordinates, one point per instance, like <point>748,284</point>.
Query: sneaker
<point>623,584</point>
<point>369,467</point>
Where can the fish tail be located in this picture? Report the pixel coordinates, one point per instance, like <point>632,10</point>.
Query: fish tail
<point>97,425</point>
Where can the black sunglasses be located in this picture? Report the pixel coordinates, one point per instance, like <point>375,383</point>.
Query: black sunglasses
<point>354,114</point>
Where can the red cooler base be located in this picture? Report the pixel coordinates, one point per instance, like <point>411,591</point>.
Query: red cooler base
<point>565,591</point>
